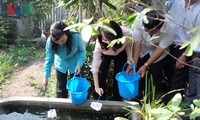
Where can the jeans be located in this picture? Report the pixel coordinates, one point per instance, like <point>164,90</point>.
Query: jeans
<point>61,90</point>
<point>193,90</point>
<point>119,61</point>
<point>177,78</point>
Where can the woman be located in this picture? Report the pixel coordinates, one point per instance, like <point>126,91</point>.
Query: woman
<point>102,57</point>
<point>67,51</point>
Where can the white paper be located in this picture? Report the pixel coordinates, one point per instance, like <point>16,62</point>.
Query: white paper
<point>52,113</point>
<point>96,106</point>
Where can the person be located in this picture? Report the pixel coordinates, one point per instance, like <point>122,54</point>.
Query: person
<point>189,17</point>
<point>186,15</point>
<point>66,50</point>
<point>145,36</point>
<point>193,89</point>
<point>102,57</point>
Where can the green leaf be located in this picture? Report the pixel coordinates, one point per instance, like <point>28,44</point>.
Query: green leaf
<point>195,113</point>
<point>74,26</point>
<point>120,118</point>
<point>176,101</point>
<point>144,16</point>
<point>185,44</point>
<point>107,21</point>
<point>132,17</point>
<point>136,109</point>
<point>109,4</point>
<point>161,114</point>
<point>194,30</point>
<point>135,21</point>
<point>112,43</point>
<point>189,51</point>
<point>192,107</point>
<point>197,102</point>
<point>94,32</point>
<point>145,20</point>
<point>181,113</point>
<point>146,10</point>
<point>108,29</point>
<point>60,3</point>
<point>86,32</point>
<point>154,38</point>
<point>88,21</point>
<point>122,39</point>
<point>71,3</point>
<point>195,42</point>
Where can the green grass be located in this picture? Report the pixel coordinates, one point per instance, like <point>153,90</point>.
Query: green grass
<point>51,90</point>
<point>17,56</point>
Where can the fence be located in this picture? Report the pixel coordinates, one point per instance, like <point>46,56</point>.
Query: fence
<point>56,14</point>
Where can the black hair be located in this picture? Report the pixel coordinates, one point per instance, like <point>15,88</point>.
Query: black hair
<point>109,36</point>
<point>56,33</point>
<point>155,20</point>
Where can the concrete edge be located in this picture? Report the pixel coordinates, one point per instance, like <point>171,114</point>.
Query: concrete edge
<point>108,106</point>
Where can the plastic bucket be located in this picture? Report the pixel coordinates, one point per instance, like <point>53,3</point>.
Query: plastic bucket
<point>128,83</point>
<point>78,89</point>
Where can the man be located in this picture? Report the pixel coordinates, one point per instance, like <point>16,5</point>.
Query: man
<point>155,33</point>
<point>186,14</point>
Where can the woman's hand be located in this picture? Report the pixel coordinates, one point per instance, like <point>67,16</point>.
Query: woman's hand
<point>78,70</point>
<point>99,91</point>
<point>129,69</point>
<point>142,70</point>
<point>45,82</point>
<point>180,62</point>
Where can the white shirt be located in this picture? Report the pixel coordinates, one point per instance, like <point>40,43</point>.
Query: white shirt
<point>164,41</point>
<point>98,51</point>
<point>190,18</point>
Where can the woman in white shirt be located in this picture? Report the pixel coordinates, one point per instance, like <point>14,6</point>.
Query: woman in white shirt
<point>102,58</point>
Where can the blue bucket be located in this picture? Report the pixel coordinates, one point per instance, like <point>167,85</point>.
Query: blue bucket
<point>78,89</point>
<point>128,83</point>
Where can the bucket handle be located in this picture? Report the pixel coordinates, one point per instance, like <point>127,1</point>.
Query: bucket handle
<point>76,74</point>
<point>133,65</point>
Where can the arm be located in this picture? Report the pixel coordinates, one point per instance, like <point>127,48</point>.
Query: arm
<point>96,62</point>
<point>49,59</point>
<point>81,53</point>
<point>96,84</point>
<point>137,43</point>
<point>127,32</point>
<point>166,36</point>
<point>180,63</point>
<point>137,48</point>
<point>137,40</point>
<point>128,49</point>
<point>159,51</point>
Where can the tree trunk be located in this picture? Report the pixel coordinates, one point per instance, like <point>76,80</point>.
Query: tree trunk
<point>80,11</point>
<point>0,8</point>
<point>91,9</point>
<point>100,7</point>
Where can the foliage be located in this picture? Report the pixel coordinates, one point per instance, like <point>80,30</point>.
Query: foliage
<point>72,3</point>
<point>195,109</point>
<point>155,110</point>
<point>16,56</point>
<point>194,41</point>
<point>41,8</point>
<point>7,26</point>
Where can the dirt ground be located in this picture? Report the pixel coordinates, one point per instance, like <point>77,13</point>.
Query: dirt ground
<point>23,80</point>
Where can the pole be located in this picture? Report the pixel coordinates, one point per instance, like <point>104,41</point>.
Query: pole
<point>80,11</point>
